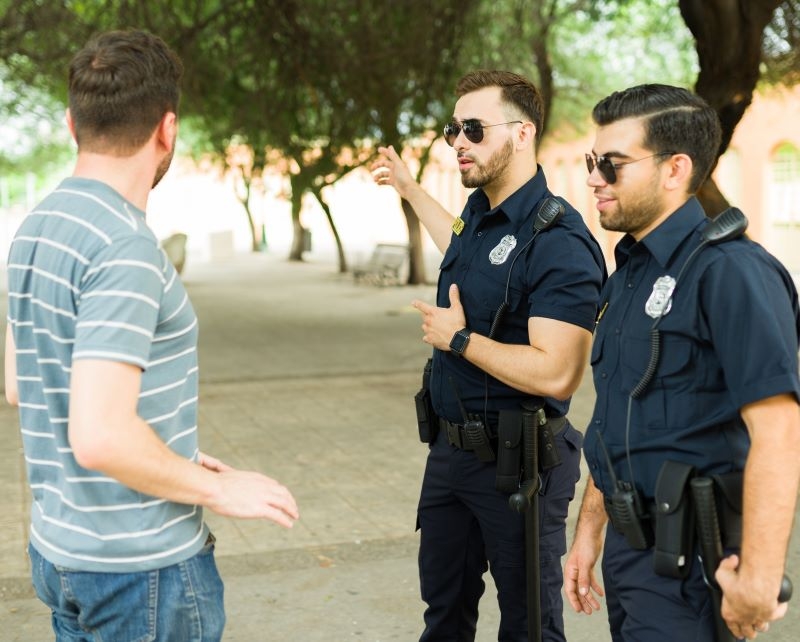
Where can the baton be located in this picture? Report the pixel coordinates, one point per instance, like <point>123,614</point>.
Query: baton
<point>526,500</point>
<point>710,548</point>
<point>711,552</point>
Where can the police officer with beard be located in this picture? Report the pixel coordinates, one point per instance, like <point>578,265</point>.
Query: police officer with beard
<point>719,399</point>
<point>512,324</point>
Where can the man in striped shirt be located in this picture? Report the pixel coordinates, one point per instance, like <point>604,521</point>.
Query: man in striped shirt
<point>101,358</point>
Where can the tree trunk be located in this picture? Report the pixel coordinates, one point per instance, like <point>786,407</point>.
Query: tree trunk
<point>339,248</point>
<point>416,261</point>
<point>245,201</point>
<point>416,257</point>
<point>728,38</point>
<point>298,231</point>
<point>711,198</point>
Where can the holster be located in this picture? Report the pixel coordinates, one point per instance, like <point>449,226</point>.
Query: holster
<point>509,447</point>
<point>674,520</point>
<point>427,421</point>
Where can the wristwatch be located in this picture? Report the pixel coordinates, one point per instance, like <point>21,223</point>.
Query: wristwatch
<point>459,342</point>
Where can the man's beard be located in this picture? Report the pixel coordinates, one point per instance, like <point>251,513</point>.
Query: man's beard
<point>639,211</point>
<point>163,166</point>
<point>480,175</point>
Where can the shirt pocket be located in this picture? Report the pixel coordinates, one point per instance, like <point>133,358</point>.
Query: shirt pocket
<point>665,402</point>
<point>495,289</point>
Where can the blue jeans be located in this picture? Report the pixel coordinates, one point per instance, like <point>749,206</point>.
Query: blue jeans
<point>179,603</point>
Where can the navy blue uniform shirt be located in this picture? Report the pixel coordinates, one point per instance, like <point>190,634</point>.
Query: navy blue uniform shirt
<point>559,277</point>
<point>729,339</point>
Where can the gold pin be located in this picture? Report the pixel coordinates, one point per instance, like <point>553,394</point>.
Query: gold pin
<point>601,313</point>
<point>458,226</point>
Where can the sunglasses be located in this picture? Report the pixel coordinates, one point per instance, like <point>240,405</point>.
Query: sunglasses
<point>608,168</point>
<point>472,128</point>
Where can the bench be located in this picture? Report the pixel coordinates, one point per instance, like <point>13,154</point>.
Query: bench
<point>384,266</point>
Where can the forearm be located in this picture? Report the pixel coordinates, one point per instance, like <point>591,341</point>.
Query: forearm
<point>771,479</point>
<point>526,368</point>
<point>107,435</point>
<point>592,517</point>
<point>436,220</point>
<point>133,454</point>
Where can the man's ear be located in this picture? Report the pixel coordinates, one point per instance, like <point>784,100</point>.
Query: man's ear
<point>527,135</point>
<point>70,125</point>
<point>678,172</point>
<point>167,130</point>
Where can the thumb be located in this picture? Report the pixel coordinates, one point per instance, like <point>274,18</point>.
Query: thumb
<point>455,298</point>
<point>727,568</point>
<point>391,153</point>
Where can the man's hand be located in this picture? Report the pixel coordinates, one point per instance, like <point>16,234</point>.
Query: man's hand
<point>748,606</point>
<point>440,324</point>
<point>579,579</point>
<point>251,495</point>
<point>389,169</point>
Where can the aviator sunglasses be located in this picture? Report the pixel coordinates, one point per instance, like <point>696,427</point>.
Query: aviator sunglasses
<point>608,168</point>
<point>472,128</point>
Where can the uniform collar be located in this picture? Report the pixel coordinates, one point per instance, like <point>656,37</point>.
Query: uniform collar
<point>516,207</point>
<point>665,240</point>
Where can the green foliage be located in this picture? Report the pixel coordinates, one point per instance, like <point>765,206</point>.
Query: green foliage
<point>591,48</point>
<point>782,45</point>
<point>321,81</point>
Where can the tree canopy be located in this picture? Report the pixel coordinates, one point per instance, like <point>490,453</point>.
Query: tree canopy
<point>314,85</point>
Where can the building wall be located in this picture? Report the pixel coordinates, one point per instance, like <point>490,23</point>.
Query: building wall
<point>745,175</point>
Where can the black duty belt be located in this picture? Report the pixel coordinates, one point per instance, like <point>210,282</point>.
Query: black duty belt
<point>457,437</point>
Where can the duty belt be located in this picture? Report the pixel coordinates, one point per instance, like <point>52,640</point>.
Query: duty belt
<point>458,438</point>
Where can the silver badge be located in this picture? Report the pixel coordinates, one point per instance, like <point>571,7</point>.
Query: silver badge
<point>660,300</point>
<point>500,253</point>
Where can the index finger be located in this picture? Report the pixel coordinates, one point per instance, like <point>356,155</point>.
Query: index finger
<point>422,306</point>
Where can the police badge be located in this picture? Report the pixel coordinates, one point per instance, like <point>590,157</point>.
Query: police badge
<point>500,253</point>
<point>660,301</point>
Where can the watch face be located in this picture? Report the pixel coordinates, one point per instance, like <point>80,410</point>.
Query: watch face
<point>459,341</point>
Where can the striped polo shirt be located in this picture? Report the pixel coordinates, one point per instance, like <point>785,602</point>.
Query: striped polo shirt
<point>87,280</point>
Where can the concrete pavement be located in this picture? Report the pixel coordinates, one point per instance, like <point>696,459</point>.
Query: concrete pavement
<point>308,378</point>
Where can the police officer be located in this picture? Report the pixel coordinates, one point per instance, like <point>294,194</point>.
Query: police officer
<point>550,286</point>
<point>723,396</point>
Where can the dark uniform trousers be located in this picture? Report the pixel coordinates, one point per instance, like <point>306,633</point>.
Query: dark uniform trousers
<point>464,522</point>
<point>645,607</point>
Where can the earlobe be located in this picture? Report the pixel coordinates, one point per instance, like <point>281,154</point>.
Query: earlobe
<point>527,135</point>
<point>680,172</point>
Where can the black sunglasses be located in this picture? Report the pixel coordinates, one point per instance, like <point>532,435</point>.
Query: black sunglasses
<point>472,128</point>
<point>608,168</point>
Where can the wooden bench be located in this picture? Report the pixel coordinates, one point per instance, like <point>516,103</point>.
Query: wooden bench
<point>384,266</point>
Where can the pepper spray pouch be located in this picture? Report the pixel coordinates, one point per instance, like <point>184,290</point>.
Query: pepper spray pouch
<point>427,421</point>
<point>674,520</point>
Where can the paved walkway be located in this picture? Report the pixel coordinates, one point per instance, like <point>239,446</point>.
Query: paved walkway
<point>308,378</point>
